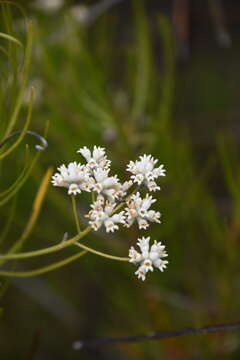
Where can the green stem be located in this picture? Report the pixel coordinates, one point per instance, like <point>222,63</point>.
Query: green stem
<point>44,269</point>
<point>20,177</point>
<point>9,221</point>
<point>48,250</point>
<point>67,243</point>
<point>76,217</point>
<point>23,132</point>
<point>108,256</point>
<point>60,246</point>
<point>93,197</point>
<point>11,38</point>
<point>21,181</point>
<point>26,66</point>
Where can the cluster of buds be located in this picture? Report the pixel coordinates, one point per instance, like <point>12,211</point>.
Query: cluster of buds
<point>110,196</point>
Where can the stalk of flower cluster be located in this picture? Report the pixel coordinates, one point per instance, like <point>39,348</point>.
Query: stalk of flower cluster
<point>107,256</point>
<point>51,249</point>
<point>75,213</point>
<point>65,243</point>
<point>60,246</point>
<point>54,248</point>
<point>44,269</point>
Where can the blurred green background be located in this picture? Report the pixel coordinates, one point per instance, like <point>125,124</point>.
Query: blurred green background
<point>134,77</point>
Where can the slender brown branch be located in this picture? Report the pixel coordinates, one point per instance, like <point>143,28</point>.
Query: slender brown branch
<point>158,335</point>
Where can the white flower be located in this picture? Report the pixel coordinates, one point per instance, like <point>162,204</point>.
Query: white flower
<point>106,185</point>
<point>138,209</point>
<point>75,177</point>
<point>124,189</point>
<point>143,171</point>
<point>95,159</point>
<point>148,258</point>
<point>101,214</point>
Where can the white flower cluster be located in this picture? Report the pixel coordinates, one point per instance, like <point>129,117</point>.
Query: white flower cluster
<point>102,214</point>
<point>143,171</point>
<point>110,196</point>
<point>149,257</point>
<point>138,209</point>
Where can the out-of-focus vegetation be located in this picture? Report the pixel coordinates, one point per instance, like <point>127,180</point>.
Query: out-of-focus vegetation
<point>116,84</point>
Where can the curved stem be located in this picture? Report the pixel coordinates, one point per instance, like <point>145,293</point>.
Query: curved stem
<point>37,205</point>
<point>44,269</point>
<point>48,250</point>
<point>7,191</point>
<point>23,132</point>
<point>76,217</point>
<point>26,65</point>
<point>108,256</point>
<point>11,38</point>
<point>66,243</point>
<point>20,183</point>
<point>9,221</point>
<point>60,246</point>
<point>42,146</point>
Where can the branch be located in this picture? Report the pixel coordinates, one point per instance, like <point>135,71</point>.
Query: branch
<point>44,143</point>
<point>77,345</point>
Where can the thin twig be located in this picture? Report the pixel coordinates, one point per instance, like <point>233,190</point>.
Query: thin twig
<point>37,206</point>
<point>77,345</point>
<point>75,213</point>
<point>29,132</point>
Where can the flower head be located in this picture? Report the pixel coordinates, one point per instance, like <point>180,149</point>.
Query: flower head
<point>138,209</point>
<point>149,257</point>
<point>95,159</point>
<point>106,185</point>
<point>75,177</point>
<point>101,213</point>
<point>144,171</point>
